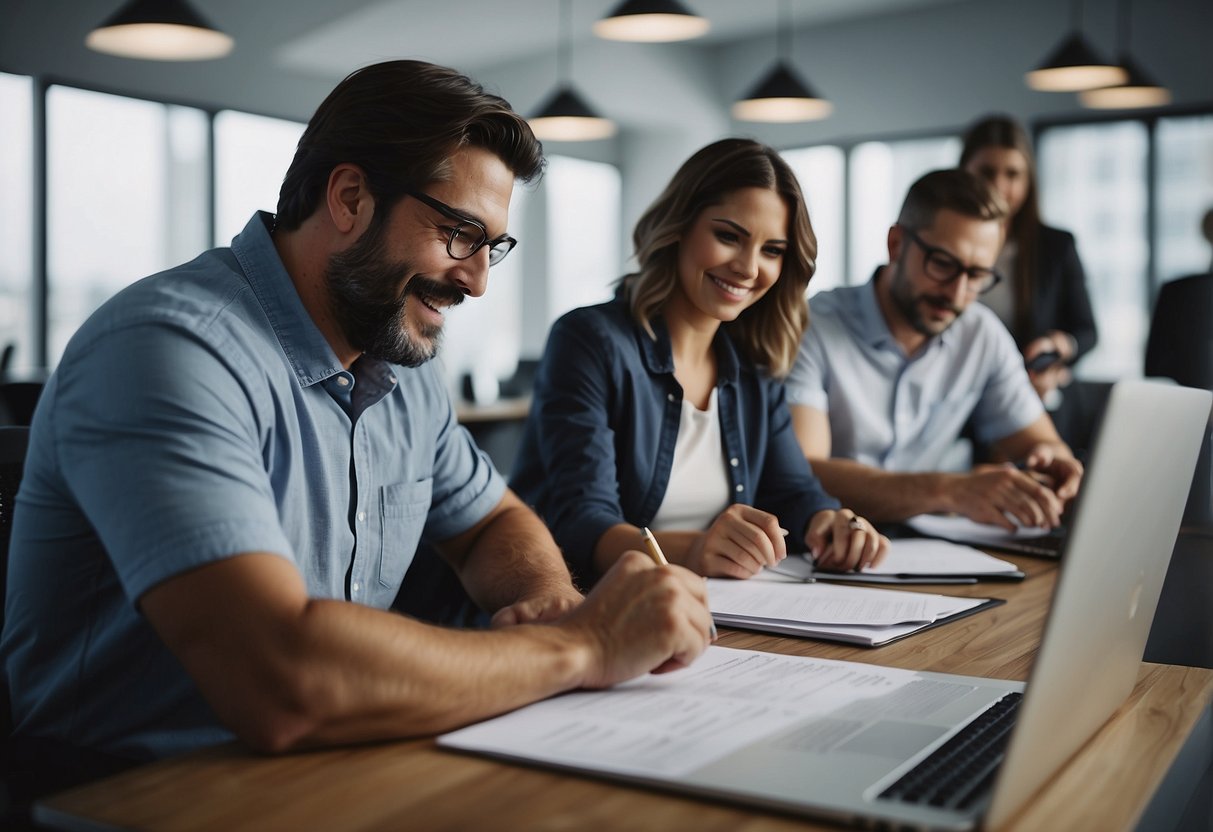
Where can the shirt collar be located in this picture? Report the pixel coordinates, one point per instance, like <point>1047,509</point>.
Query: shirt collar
<point>306,350</point>
<point>658,354</point>
<point>870,322</point>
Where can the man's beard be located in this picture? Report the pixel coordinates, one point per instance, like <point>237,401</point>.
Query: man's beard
<point>369,304</point>
<point>909,304</point>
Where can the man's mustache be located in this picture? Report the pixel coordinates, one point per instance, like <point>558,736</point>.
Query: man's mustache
<point>435,291</point>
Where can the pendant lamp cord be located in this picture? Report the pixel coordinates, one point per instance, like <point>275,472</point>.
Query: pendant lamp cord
<point>564,46</point>
<point>784,42</point>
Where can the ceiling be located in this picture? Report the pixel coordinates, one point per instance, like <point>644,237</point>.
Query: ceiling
<point>478,34</point>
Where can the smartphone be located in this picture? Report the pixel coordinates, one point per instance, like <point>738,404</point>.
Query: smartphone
<point>1043,361</point>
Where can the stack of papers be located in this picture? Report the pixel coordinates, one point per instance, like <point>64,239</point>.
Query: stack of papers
<point>1024,539</point>
<point>855,615</point>
<point>912,561</point>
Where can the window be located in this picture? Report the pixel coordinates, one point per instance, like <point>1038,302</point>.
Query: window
<point>252,154</point>
<point>17,220</point>
<point>568,230</point>
<point>1093,182</point>
<point>1184,173</point>
<point>820,171</point>
<point>482,336</point>
<point>126,185</point>
<point>583,217</point>
<point>881,173</point>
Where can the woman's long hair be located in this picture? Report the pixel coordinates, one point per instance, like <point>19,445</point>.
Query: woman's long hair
<point>1024,228</point>
<point>768,333</point>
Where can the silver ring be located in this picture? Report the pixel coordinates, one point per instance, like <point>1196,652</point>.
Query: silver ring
<point>856,523</point>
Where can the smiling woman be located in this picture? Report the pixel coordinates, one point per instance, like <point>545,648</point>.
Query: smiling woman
<point>663,408</point>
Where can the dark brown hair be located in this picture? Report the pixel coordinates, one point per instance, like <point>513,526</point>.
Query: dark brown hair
<point>769,332</point>
<point>1024,228</point>
<point>951,189</point>
<point>400,121</point>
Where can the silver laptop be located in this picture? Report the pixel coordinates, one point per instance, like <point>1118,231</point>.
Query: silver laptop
<point>876,760</point>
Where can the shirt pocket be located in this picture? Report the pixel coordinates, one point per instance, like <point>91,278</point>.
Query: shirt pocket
<point>404,508</point>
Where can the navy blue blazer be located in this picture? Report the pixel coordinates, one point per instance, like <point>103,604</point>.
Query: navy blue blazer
<point>599,442</point>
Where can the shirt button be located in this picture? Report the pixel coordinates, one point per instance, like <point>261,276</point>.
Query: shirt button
<point>362,517</point>
<point>343,381</point>
<point>392,379</point>
<point>740,488</point>
<point>670,396</point>
<point>733,462</point>
<point>355,587</point>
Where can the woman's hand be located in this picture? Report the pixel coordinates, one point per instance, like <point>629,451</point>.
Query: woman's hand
<point>1047,379</point>
<point>739,543</point>
<point>843,541</point>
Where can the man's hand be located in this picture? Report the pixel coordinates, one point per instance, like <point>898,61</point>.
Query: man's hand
<point>843,541</point>
<point>543,605</point>
<point>1055,462</point>
<point>991,492</point>
<point>738,544</point>
<point>641,618</point>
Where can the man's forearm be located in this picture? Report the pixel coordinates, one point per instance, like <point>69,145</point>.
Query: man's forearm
<point>883,496</point>
<point>512,556</point>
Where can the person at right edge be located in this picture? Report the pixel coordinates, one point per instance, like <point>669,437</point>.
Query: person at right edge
<point>1043,297</point>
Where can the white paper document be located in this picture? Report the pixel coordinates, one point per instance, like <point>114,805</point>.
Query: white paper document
<point>667,725</point>
<point>955,527</point>
<point>912,560</point>
<point>857,615</point>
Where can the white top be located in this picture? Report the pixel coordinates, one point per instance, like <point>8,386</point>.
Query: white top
<point>699,482</point>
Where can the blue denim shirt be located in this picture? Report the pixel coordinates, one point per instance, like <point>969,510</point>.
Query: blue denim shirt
<point>197,415</point>
<point>599,442</point>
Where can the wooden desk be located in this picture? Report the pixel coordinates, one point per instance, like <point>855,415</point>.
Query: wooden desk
<point>413,785</point>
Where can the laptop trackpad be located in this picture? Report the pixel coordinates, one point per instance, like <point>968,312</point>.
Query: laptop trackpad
<point>894,740</point>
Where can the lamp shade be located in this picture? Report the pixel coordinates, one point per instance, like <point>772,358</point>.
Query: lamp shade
<point>565,117</point>
<point>781,97</point>
<point>1074,66</point>
<point>159,30</point>
<point>1140,90</point>
<point>651,21</point>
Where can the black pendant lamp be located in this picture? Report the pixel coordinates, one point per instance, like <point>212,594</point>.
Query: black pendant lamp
<point>565,116</point>
<point>1138,90</point>
<point>782,96</point>
<point>651,21</point>
<point>1074,65</point>
<point>159,30</point>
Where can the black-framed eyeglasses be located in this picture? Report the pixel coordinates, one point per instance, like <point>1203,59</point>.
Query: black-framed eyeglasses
<point>942,267</point>
<point>467,235</point>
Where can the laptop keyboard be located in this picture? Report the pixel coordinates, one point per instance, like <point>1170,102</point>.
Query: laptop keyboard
<point>962,769</point>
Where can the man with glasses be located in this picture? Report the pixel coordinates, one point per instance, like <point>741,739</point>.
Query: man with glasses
<point>234,464</point>
<point>893,374</point>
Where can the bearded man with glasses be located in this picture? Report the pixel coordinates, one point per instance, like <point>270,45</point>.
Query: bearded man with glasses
<point>238,460</point>
<point>892,374</point>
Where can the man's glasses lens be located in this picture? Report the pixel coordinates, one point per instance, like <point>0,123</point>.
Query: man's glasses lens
<point>468,236</point>
<point>944,268</point>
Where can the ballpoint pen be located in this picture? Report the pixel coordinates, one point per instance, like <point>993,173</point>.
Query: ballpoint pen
<point>659,559</point>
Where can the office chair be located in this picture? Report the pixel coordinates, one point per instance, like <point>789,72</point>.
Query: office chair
<point>1180,347</point>
<point>30,766</point>
<point>18,400</point>
<point>13,443</point>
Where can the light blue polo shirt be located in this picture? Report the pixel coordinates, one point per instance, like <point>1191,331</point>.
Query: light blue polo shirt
<point>200,414</point>
<point>901,413</point>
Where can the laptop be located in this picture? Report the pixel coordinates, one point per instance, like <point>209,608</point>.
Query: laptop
<point>1023,541</point>
<point>873,759</point>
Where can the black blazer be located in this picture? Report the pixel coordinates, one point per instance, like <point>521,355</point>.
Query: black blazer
<point>1059,296</point>
<point>1180,345</point>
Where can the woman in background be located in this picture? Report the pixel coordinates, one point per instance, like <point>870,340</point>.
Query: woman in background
<point>1043,299</point>
<point>663,408</point>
